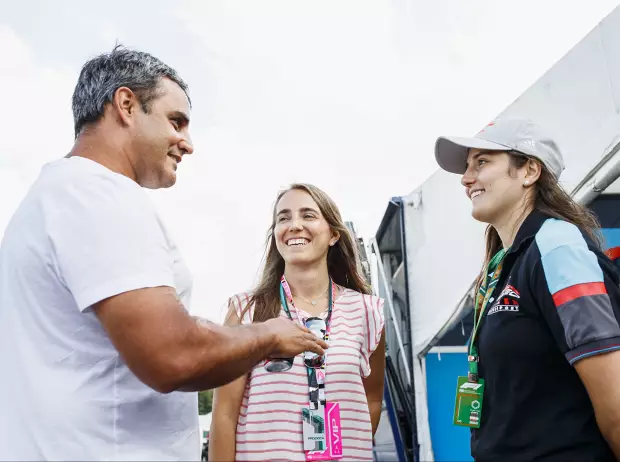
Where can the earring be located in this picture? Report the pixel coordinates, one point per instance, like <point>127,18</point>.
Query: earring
<point>527,183</point>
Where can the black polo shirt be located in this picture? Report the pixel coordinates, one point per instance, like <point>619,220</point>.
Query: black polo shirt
<point>557,301</point>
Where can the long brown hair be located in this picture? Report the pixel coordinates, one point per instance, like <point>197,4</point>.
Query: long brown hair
<point>343,262</point>
<point>552,200</point>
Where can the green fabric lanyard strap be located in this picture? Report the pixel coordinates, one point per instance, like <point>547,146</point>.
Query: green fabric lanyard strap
<point>316,383</point>
<point>493,272</point>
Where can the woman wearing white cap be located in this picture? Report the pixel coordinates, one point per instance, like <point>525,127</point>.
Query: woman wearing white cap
<point>543,381</point>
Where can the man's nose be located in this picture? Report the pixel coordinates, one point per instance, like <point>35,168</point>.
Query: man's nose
<point>186,146</point>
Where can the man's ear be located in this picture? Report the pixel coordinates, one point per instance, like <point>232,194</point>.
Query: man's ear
<point>125,105</point>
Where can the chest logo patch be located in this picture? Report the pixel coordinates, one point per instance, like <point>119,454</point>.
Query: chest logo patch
<point>508,301</point>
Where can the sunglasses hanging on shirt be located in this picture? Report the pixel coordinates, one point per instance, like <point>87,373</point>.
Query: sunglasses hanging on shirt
<point>318,326</point>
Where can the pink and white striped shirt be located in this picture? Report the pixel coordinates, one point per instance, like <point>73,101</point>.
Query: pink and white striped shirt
<point>270,422</point>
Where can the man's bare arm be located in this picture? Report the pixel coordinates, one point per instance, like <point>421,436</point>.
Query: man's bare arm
<point>169,350</point>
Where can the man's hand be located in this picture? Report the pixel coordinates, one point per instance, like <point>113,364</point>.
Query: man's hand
<point>290,339</point>
<point>169,350</point>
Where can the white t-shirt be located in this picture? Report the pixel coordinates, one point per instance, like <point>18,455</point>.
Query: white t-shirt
<point>83,234</point>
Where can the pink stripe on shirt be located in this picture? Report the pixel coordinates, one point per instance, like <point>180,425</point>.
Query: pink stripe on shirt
<point>269,425</point>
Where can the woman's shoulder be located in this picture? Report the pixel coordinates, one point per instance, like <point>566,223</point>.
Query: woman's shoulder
<point>566,249</point>
<point>351,296</point>
<point>240,298</point>
<point>239,304</point>
<point>370,307</point>
<point>556,232</point>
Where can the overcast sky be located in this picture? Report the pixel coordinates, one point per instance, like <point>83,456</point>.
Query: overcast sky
<point>346,94</point>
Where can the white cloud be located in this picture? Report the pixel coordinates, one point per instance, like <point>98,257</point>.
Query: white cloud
<point>36,103</point>
<point>34,127</point>
<point>12,190</point>
<point>349,95</point>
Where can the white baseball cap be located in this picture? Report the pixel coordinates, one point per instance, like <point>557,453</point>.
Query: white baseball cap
<point>505,134</point>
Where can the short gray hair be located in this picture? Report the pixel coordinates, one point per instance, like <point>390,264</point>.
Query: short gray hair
<point>122,67</point>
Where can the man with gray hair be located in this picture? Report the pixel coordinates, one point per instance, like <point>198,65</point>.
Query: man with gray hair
<point>100,358</point>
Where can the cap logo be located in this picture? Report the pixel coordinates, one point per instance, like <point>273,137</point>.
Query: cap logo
<point>489,125</point>
<point>530,144</point>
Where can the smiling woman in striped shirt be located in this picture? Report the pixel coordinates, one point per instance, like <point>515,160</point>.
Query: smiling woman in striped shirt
<point>311,276</point>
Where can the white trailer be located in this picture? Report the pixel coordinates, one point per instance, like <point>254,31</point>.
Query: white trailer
<point>430,248</point>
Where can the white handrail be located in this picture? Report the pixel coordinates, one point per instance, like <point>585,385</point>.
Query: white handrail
<point>601,177</point>
<point>388,299</point>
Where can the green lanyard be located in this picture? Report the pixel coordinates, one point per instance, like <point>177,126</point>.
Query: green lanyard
<point>316,379</point>
<point>330,305</point>
<point>493,272</point>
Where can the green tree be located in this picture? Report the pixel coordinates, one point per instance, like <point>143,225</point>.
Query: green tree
<point>205,400</point>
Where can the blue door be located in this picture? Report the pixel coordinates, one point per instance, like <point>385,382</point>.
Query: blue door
<point>443,366</point>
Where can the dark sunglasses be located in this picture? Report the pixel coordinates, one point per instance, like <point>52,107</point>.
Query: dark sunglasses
<point>279,365</point>
<point>318,327</point>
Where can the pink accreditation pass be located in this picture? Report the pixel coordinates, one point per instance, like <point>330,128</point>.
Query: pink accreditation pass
<point>333,435</point>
